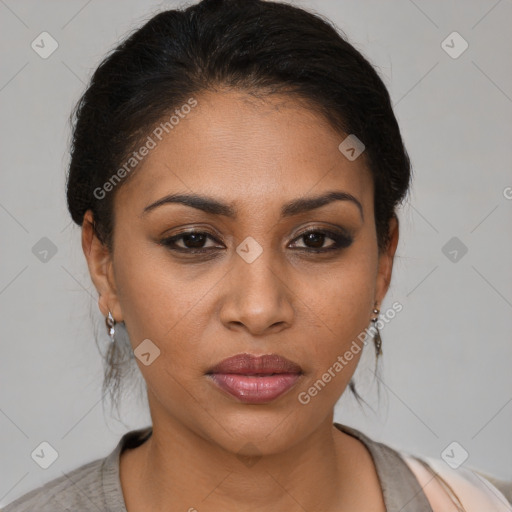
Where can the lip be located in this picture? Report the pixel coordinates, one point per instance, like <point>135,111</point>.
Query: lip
<point>255,379</point>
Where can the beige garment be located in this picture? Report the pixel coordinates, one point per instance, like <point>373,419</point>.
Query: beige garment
<point>473,491</point>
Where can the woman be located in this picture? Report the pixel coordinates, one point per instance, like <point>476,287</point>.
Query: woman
<point>236,168</point>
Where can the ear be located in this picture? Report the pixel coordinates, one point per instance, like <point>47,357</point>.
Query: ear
<point>386,259</point>
<point>101,269</point>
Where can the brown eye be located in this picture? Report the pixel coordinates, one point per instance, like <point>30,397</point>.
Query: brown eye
<point>192,241</point>
<point>315,240</point>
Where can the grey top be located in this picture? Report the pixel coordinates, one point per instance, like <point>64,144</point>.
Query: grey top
<point>96,486</point>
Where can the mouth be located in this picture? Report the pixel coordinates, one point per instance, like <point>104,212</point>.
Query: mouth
<point>255,379</point>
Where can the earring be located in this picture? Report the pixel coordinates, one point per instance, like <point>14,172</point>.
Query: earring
<point>377,339</point>
<point>109,320</point>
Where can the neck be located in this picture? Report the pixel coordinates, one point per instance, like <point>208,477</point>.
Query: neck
<point>178,466</point>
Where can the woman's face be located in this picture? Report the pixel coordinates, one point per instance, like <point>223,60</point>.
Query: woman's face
<point>259,287</point>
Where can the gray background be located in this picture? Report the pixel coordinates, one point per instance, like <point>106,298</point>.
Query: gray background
<point>446,373</point>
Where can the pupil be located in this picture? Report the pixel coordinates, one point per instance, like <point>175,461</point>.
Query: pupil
<point>316,238</point>
<point>194,240</point>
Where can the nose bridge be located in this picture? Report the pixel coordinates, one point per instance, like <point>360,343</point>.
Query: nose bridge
<point>256,267</point>
<point>257,295</point>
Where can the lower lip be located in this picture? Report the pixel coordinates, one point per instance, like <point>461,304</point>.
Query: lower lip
<point>253,389</point>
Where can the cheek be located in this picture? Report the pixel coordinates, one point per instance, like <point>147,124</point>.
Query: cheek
<point>163,303</point>
<point>342,293</point>
<point>145,290</point>
<point>337,310</point>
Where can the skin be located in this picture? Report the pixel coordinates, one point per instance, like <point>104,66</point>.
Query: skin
<point>255,154</point>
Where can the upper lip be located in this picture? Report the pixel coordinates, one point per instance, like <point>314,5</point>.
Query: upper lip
<point>248,364</point>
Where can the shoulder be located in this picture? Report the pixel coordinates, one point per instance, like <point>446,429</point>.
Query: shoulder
<point>91,487</point>
<point>461,489</point>
<point>79,489</point>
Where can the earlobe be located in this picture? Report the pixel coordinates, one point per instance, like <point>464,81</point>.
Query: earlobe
<point>99,261</point>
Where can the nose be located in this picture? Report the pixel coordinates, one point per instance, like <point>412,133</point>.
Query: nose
<point>257,297</point>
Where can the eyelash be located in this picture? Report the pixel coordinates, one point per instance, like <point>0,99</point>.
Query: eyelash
<point>342,241</point>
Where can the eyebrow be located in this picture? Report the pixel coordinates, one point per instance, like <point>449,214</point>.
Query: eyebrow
<point>294,207</point>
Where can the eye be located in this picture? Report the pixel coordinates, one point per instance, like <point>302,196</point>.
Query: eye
<point>192,242</point>
<point>314,240</point>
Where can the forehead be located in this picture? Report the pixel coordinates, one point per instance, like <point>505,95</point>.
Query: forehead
<point>249,151</point>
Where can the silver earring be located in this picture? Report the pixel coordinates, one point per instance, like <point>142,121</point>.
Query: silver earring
<point>377,340</point>
<point>109,320</point>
